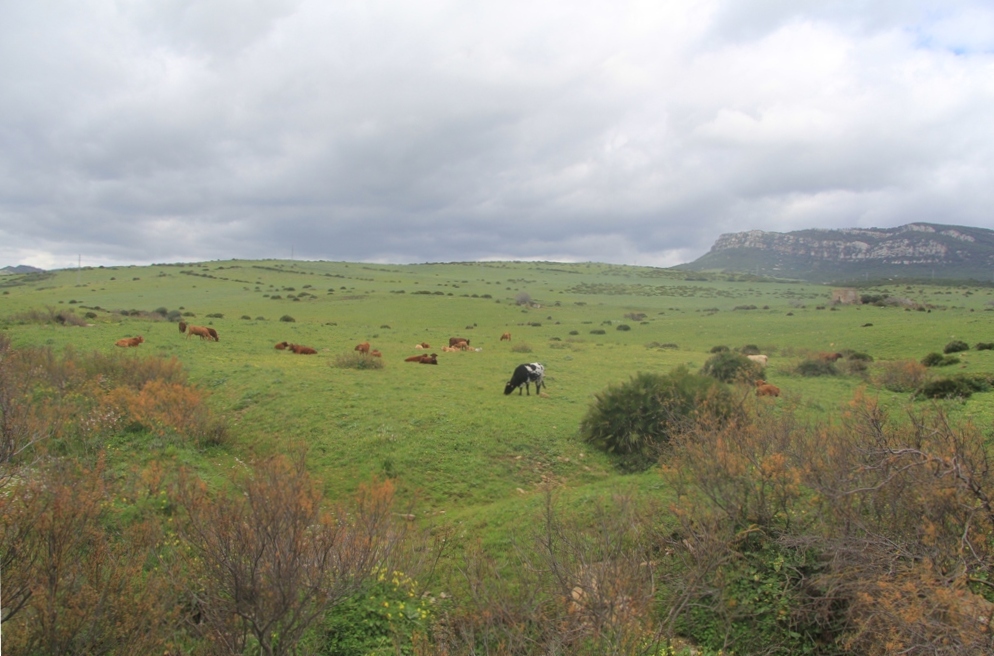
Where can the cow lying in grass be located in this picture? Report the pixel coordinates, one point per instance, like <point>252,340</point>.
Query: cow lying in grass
<point>282,346</point>
<point>765,389</point>
<point>129,341</point>
<point>300,349</point>
<point>524,374</point>
<point>423,359</point>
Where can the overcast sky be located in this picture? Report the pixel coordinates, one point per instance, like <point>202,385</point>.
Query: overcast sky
<point>140,131</point>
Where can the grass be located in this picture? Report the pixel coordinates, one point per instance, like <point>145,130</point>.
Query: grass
<point>446,434</point>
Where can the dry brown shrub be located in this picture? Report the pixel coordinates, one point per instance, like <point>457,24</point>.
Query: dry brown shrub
<point>901,375</point>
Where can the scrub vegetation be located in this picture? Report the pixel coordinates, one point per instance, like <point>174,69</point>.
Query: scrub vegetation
<point>192,496</point>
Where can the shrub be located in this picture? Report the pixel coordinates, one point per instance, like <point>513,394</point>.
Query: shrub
<point>902,375</point>
<point>246,317</point>
<point>729,367</point>
<point>574,332</point>
<point>956,346</point>
<point>984,346</point>
<point>946,388</point>
<point>90,315</point>
<point>623,327</point>
<point>816,368</point>
<point>749,349</point>
<point>598,331</point>
<point>636,419</point>
<point>521,347</point>
<point>939,360</point>
<point>215,315</point>
<point>719,349</point>
<point>287,318</point>
<point>356,360</point>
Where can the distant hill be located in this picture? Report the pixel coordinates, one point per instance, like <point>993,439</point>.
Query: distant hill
<point>19,269</point>
<point>916,250</point>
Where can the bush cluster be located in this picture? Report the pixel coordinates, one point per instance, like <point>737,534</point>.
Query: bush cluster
<point>730,367</point>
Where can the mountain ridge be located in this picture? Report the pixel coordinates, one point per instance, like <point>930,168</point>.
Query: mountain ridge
<point>914,250</point>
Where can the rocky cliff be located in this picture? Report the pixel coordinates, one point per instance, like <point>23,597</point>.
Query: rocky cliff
<point>917,250</point>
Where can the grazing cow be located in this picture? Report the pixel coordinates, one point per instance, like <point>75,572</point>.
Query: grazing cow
<point>423,359</point>
<point>182,326</point>
<point>300,349</point>
<point>454,341</point>
<point>281,346</point>
<point>765,389</point>
<point>129,341</point>
<point>200,331</point>
<point>362,348</point>
<point>761,360</point>
<point>213,334</point>
<point>376,354</point>
<point>506,337</point>
<point>830,357</point>
<point>525,374</point>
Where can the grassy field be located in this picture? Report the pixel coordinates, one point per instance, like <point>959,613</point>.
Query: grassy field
<point>453,442</point>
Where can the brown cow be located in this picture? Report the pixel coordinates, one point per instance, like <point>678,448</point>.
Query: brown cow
<point>362,348</point>
<point>376,354</point>
<point>281,346</point>
<point>506,337</point>
<point>182,326</point>
<point>129,341</point>
<point>423,359</point>
<point>200,331</point>
<point>454,341</point>
<point>213,334</point>
<point>830,357</point>
<point>300,349</point>
<point>765,389</point>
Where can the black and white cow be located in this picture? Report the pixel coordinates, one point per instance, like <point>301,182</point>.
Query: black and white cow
<point>524,374</point>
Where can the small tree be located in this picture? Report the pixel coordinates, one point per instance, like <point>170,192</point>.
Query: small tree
<point>271,560</point>
<point>636,419</point>
<point>729,367</point>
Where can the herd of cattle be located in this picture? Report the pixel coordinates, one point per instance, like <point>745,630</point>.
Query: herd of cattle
<point>524,374</point>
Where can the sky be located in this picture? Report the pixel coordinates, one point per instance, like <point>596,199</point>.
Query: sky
<point>147,131</point>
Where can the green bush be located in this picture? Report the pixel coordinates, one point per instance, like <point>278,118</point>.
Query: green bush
<point>636,419</point>
<point>984,346</point>
<point>598,331</point>
<point>215,315</point>
<point>749,349</point>
<point>729,367</point>
<point>720,349</point>
<point>380,619</point>
<point>946,388</point>
<point>956,346</point>
<point>816,368</point>
<point>287,318</point>
<point>939,360</point>
<point>623,326</point>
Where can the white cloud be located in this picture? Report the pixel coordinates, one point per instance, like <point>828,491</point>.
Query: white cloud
<point>180,130</point>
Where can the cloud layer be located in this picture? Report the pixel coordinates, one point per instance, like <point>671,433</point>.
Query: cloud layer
<point>170,130</point>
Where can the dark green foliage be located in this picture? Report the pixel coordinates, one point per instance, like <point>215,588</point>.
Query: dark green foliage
<point>215,315</point>
<point>856,355</point>
<point>816,368</point>
<point>246,317</point>
<point>161,310</point>
<point>636,419</point>
<point>729,367</point>
<point>757,603</point>
<point>984,346</point>
<point>939,360</point>
<point>598,331</point>
<point>873,299</point>
<point>956,346</point>
<point>623,326</point>
<point>749,349</point>
<point>90,315</point>
<point>287,318</point>
<point>574,332</point>
<point>719,349</point>
<point>946,388</point>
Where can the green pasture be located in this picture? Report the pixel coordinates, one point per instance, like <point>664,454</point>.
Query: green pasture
<point>447,434</point>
